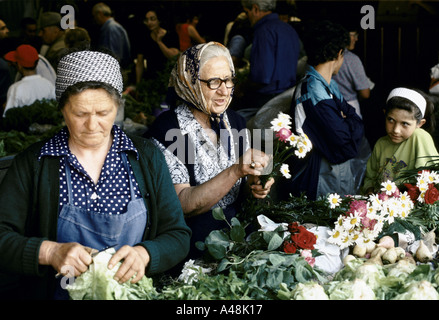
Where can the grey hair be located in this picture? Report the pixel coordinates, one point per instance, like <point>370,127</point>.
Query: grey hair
<point>264,5</point>
<point>214,51</point>
<point>102,7</point>
<point>93,85</point>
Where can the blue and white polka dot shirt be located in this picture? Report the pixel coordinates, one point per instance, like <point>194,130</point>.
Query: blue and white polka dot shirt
<point>112,192</point>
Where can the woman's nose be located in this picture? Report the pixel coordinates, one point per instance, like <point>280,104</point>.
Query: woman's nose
<point>223,89</point>
<point>91,122</point>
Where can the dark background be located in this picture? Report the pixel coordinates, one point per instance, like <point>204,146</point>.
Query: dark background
<point>399,51</point>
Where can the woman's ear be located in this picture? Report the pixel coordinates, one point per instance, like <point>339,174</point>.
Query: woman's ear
<point>421,123</point>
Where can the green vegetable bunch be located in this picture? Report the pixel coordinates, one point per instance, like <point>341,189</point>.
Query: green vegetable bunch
<point>257,259</point>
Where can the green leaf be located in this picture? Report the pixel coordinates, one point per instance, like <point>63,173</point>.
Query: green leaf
<point>218,214</point>
<point>276,259</point>
<point>217,237</point>
<point>217,243</point>
<point>237,233</point>
<point>223,265</point>
<point>200,245</point>
<point>217,251</point>
<point>235,222</point>
<point>275,242</point>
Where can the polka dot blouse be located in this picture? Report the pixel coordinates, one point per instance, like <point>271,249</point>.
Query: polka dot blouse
<point>112,192</point>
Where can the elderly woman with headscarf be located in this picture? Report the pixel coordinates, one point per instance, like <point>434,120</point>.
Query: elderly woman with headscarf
<point>88,187</point>
<point>206,145</point>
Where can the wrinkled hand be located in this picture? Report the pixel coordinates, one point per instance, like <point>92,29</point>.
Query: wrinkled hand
<point>134,262</point>
<point>252,162</point>
<point>258,190</point>
<point>68,259</point>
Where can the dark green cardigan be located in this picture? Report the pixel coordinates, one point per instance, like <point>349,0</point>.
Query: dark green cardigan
<point>29,199</point>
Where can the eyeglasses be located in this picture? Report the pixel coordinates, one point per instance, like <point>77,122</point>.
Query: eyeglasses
<point>215,83</point>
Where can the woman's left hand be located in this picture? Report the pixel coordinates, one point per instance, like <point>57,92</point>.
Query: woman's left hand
<point>258,190</point>
<point>134,262</point>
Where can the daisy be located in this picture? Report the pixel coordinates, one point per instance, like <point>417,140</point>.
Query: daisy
<point>306,143</point>
<point>293,139</point>
<point>389,187</point>
<point>337,236</point>
<point>285,170</point>
<point>352,220</point>
<point>334,200</point>
<point>301,151</point>
<point>282,121</point>
<point>375,202</point>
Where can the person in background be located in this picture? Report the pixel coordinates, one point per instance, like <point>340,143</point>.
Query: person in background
<point>354,86</point>
<point>77,38</point>
<point>52,36</point>
<point>352,80</point>
<point>88,187</point>
<point>32,86</point>
<point>156,45</point>
<point>211,166</point>
<point>319,110</point>
<point>112,35</point>
<point>273,58</point>
<point>239,38</point>
<point>188,33</point>
<point>28,33</point>
<point>408,144</point>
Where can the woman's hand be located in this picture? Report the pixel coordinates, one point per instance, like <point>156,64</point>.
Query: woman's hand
<point>69,259</point>
<point>258,190</point>
<point>252,162</point>
<point>134,262</point>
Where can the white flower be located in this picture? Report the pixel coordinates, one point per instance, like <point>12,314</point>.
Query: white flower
<point>334,200</point>
<point>389,187</point>
<point>293,140</point>
<point>428,177</point>
<point>352,220</point>
<point>282,121</point>
<point>306,143</point>
<point>375,202</point>
<point>336,236</point>
<point>285,170</point>
<point>300,151</point>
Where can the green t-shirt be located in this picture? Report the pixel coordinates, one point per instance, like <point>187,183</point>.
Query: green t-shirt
<point>389,159</point>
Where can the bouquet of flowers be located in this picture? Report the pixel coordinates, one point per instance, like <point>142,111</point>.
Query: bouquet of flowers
<point>425,196</point>
<point>285,144</point>
<point>425,190</point>
<point>366,218</point>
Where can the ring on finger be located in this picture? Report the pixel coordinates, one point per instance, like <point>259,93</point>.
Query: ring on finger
<point>253,164</point>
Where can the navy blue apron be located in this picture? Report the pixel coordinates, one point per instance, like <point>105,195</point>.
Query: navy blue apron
<point>99,230</point>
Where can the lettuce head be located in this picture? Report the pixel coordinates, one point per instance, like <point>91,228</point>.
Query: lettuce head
<point>98,283</point>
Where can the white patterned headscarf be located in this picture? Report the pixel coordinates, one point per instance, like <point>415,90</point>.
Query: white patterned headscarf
<point>85,66</point>
<point>184,76</point>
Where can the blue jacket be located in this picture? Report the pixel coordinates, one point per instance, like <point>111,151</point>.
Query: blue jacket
<point>317,110</point>
<point>274,54</point>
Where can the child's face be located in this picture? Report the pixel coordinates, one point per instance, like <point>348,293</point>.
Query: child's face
<point>400,125</point>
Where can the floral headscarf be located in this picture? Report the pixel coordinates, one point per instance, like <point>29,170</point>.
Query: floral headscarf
<point>184,80</point>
